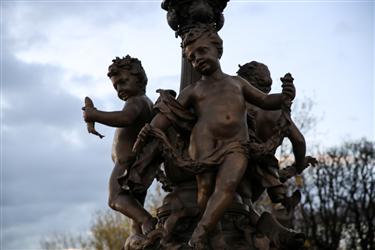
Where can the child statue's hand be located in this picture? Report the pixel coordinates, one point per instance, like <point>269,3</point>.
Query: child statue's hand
<point>309,161</point>
<point>288,87</point>
<point>141,138</point>
<point>89,114</point>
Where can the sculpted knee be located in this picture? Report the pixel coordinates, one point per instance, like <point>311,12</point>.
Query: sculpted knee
<point>206,188</point>
<point>230,186</point>
<point>206,184</point>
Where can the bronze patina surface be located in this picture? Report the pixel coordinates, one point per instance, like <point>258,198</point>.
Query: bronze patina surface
<point>211,146</point>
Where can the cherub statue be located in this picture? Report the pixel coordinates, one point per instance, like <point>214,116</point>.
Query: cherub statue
<point>219,138</point>
<point>129,80</point>
<point>272,125</point>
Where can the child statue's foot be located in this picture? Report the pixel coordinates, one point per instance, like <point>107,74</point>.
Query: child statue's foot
<point>290,202</point>
<point>135,242</point>
<point>217,241</point>
<point>199,239</point>
<point>198,245</point>
<point>282,237</point>
<point>149,225</point>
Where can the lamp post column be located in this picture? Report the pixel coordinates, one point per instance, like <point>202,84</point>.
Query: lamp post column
<point>182,15</point>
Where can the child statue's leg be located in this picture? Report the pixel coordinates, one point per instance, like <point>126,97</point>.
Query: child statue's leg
<point>125,203</point>
<point>278,195</point>
<point>205,185</point>
<point>228,177</point>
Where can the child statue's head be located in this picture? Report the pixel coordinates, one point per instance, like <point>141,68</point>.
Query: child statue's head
<point>257,74</point>
<point>128,77</point>
<point>203,48</point>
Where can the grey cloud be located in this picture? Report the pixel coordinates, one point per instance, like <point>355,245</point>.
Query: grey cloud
<point>37,177</point>
<point>44,178</point>
<point>33,94</point>
<point>54,174</point>
<point>27,233</point>
<point>26,23</point>
<point>40,160</point>
<point>50,164</point>
<point>20,77</point>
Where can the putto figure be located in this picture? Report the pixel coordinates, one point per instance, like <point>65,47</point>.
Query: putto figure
<point>129,80</point>
<point>219,138</point>
<point>272,125</point>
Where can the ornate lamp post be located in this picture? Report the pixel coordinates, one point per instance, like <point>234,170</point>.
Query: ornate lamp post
<point>182,15</point>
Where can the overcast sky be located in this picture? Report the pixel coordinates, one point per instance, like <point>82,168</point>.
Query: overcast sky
<point>54,175</point>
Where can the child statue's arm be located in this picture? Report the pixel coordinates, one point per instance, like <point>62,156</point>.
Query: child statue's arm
<point>160,121</point>
<point>298,145</point>
<point>267,102</point>
<point>123,118</point>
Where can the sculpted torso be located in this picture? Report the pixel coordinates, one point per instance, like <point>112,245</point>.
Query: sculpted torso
<point>265,122</point>
<point>221,111</point>
<point>125,137</point>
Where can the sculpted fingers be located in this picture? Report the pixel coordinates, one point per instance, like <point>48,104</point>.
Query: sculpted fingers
<point>88,114</point>
<point>141,138</point>
<point>309,160</point>
<point>289,90</point>
<point>288,86</point>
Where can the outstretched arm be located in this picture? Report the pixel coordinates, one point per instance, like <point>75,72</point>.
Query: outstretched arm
<point>268,102</point>
<point>123,118</point>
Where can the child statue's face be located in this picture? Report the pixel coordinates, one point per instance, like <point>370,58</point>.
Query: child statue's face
<point>203,56</point>
<point>125,84</point>
<point>264,84</point>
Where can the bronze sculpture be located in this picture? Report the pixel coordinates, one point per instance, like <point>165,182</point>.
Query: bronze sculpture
<point>129,80</point>
<point>268,124</point>
<point>216,141</point>
<point>219,137</point>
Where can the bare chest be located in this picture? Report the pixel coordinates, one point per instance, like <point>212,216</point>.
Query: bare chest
<point>224,97</point>
<point>221,110</point>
